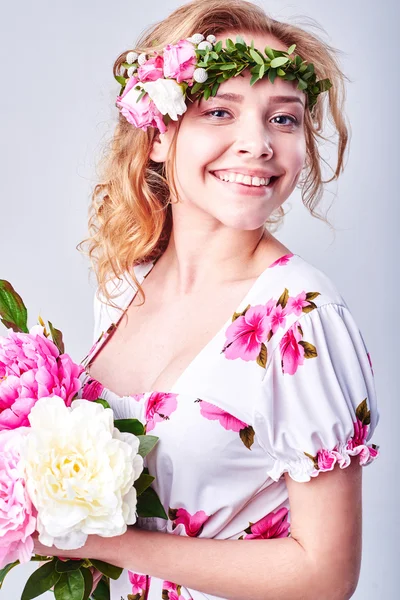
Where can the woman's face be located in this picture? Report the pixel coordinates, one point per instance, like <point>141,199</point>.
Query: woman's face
<point>253,134</point>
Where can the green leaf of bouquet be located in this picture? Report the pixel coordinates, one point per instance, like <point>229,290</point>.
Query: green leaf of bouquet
<point>70,586</point>
<point>142,483</point>
<point>6,570</point>
<point>57,338</point>
<point>13,311</point>
<point>41,580</point>
<point>120,80</point>
<point>259,59</point>
<point>102,591</point>
<point>147,443</point>
<point>102,402</point>
<point>63,566</point>
<point>88,580</point>
<point>278,62</point>
<point>149,505</point>
<point>107,569</point>
<point>291,49</point>
<point>129,426</point>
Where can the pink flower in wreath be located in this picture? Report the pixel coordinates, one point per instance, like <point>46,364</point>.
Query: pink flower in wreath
<point>152,69</point>
<point>292,352</point>
<point>273,525</point>
<point>179,61</point>
<point>246,334</point>
<point>31,367</point>
<point>142,114</point>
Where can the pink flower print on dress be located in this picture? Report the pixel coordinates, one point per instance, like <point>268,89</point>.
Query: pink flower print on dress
<point>92,389</point>
<point>159,407</point>
<point>273,525</point>
<point>294,350</point>
<point>277,317</point>
<point>370,362</point>
<point>193,523</point>
<point>228,421</point>
<point>297,304</point>
<point>245,336</point>
<point>172,591</point>
<point>140,585</point>
<point>282,261</point>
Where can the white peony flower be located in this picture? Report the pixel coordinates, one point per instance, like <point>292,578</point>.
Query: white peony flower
<point>200,75</point>
<point>167,95</point>
<point>80,472</point>
<point>204,46</point>
<point>131,57</point>
<point>197,38</point>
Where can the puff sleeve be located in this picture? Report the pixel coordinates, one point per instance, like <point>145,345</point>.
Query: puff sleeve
<point>318,405</point>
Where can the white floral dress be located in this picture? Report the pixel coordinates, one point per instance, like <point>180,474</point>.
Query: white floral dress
<point>285,385</point>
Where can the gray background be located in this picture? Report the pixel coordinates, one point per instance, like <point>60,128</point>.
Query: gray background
<point>57,109</point>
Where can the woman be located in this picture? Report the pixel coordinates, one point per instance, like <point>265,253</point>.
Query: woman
<point>242,358</point>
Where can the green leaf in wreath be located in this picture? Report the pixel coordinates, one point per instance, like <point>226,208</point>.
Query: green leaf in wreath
<point>6,570</point>
<point>121,80</point>
<point>279,61</point>
<point>41,580</point>
<point>62,566</point>
<point>142,483</point>
<point>57,338</point>
<point>70,586</point>
<point>149,505</point>
<point>102,591</point>
<point>147,443</point>
<point>129,426</point>
<point>13,311</point>
<point>255,56</point>
<point>88,580</point>
<point>109,570</point>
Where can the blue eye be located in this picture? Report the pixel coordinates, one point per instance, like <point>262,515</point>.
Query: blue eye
<point>210,112</point>
<point>293,120</point>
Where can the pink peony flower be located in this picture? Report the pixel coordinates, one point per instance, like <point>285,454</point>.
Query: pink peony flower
<point>142,114</point>
<point>179,61</point>
<point>292,352</point>
<point>92,389</point>
<point>17,513</point>
<point>31,367</point>
<point>159,406</point>
<point>273,525</point>
<point>152,69</point>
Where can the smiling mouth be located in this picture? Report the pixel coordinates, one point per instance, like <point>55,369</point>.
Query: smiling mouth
<point>270,184</point>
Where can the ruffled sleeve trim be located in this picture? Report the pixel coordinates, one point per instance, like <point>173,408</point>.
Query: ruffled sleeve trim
<point>304,469</point>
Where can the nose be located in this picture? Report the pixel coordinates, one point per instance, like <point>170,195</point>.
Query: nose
<point>253,139</point>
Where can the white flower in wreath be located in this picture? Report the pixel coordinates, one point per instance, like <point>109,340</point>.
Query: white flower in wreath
<point>168,96</point>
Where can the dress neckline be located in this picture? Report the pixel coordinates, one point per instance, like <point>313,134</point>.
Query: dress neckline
<point>147,268</point>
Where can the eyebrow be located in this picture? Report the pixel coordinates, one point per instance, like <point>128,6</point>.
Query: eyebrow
<point>273,99</point>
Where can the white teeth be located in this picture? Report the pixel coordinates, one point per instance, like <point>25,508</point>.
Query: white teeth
<point>245,179</point>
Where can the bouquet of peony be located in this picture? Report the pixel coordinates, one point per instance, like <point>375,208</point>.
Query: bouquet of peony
<point>67,468</point>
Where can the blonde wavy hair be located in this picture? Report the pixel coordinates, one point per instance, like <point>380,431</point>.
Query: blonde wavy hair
<point>130,216</point>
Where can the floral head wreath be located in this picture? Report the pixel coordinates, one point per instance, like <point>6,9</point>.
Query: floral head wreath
<point>154,86</point>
